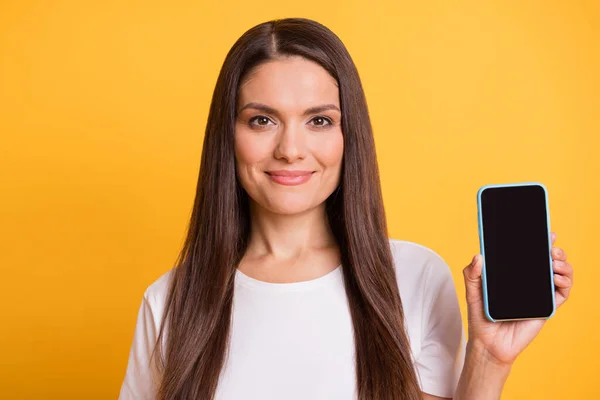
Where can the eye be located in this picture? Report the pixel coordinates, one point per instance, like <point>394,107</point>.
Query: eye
<point>260,119</point>
<point>321,121</point>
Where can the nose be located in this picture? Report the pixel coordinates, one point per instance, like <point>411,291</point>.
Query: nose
<point>291,144</point>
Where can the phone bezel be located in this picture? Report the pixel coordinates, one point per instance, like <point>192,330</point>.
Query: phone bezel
<point>482,248</point>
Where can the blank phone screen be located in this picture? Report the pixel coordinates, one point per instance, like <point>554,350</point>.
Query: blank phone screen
<point>517,252</point>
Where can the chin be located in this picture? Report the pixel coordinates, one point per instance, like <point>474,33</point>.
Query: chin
<point>289,206</point>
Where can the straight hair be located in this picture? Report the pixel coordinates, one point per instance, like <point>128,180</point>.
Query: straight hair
<point>199,301</point>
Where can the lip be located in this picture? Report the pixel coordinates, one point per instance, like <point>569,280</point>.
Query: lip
<point>290,177</point>
<point>288,172</point>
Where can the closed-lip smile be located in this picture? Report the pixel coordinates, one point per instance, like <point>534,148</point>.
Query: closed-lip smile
<point>287,172</point>
<point>290,177</point>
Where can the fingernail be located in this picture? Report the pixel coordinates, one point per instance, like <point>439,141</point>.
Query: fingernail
<point>474,261</point>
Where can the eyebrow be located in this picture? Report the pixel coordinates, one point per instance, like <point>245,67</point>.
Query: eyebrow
<point>270,110</point>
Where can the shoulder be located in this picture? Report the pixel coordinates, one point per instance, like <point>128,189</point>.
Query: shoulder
<point>424,278</point>
<point>142,374</point>
<point>433,316</point>
<point>156,294</point>
<point>414,251</point>
<point>413,260</point>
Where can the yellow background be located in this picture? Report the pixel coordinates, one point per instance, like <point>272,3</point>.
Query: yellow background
<point>102,113</point>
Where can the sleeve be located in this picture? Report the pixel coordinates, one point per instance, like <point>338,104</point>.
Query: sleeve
<point>440,362</point>
<point>140,380</point>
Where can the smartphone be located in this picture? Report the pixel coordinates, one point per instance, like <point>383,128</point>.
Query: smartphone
<point>514,239</point>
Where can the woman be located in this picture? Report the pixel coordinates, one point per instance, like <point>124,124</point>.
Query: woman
<point>287,286</point>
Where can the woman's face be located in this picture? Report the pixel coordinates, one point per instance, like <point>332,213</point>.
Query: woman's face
<point>289,122</point>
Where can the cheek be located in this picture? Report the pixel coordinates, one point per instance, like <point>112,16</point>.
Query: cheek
<point>249,150</point>
<point>330,151</point>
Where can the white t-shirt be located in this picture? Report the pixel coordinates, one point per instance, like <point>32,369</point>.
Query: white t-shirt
<point>294,341</point>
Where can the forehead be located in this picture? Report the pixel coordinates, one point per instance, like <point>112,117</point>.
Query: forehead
<point>291,83</point>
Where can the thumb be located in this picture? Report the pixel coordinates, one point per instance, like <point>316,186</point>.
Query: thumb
<point>472,275</point>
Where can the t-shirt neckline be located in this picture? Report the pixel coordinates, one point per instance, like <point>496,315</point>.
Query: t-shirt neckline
<point>248,281</point>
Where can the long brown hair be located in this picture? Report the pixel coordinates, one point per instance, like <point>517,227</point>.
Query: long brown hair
<point>199,302</point>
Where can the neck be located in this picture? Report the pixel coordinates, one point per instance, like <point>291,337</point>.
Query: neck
<point>287,237</point>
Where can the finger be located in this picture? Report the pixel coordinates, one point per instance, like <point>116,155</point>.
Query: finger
<point>562,281</point>
<point>558,254</point>
<point>559,299</point>
<point>472,272</point>
<point>562,293</point>
<point>553,237</point>
<point>562,268</point>
<point>472,275</point>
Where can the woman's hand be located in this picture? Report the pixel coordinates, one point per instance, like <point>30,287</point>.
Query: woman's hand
<point>504,341</point>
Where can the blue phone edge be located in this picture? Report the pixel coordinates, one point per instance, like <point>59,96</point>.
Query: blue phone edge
<point>482,248</point>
